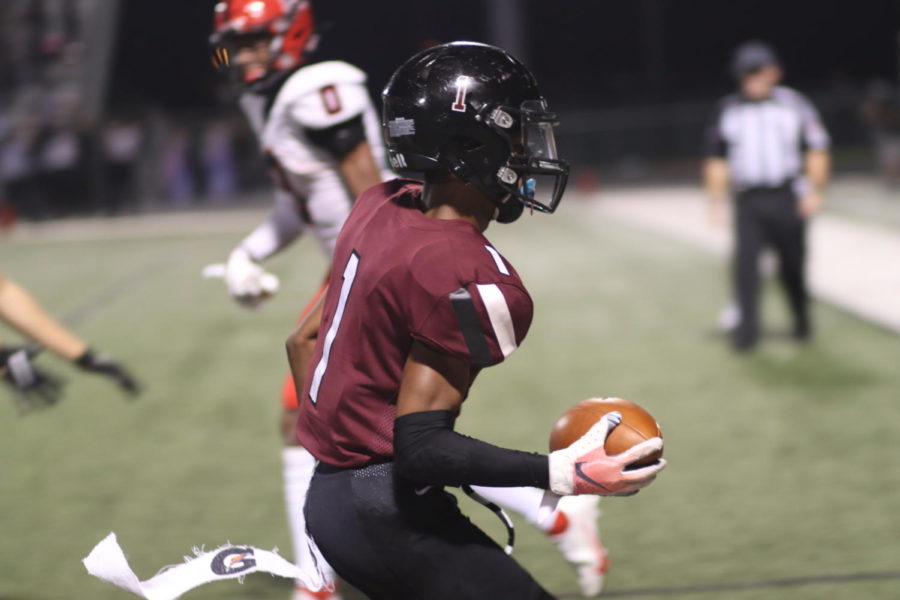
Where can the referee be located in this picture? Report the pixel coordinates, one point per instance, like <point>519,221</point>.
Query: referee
<point>767,144</point>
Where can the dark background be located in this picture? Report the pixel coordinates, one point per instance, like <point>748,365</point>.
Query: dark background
<point>586,54</point>
<point>113,106</point>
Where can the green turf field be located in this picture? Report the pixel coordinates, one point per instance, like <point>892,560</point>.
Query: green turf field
<point>784,473</point>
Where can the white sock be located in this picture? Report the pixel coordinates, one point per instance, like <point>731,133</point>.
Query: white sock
<point>298,471</point>
<point>527,501</point>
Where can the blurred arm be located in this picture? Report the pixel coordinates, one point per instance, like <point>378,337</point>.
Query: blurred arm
<point>21,311</point>
<point>282,227</point>
<point>817,170</point>
<point>359,170</point>
<point>715,166</point>
<point>715,181</point>
<point>817,160</point>
<point>301,344</point>
<point>248,283</point>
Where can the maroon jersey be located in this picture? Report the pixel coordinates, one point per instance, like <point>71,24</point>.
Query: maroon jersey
<point>399,276</point>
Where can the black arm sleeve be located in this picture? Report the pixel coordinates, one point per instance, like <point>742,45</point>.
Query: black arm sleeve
<point>427,450</point>
<point>339,139</point>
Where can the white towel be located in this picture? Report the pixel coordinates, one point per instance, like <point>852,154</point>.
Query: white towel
<point>108,562</point>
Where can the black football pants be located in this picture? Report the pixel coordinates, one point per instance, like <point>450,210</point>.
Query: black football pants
<point>769,217</point>
<point>393,543</point>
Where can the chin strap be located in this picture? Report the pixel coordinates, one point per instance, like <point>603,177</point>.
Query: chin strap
<point>509,208</point>
<point>509,211</point>
<point>501,514</point>
<point>450,156</point>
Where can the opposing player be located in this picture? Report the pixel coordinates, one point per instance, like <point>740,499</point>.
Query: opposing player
<point>320,135</point>
<point>418,303</point>
<point>35,387</point>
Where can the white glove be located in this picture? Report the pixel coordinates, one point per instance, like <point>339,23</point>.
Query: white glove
<point>585,468</point>
<point>247,282</point>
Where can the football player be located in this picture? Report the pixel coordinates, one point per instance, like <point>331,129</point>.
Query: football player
<point>418,302</point>
<point>33,386</point>
<point>320,136</point>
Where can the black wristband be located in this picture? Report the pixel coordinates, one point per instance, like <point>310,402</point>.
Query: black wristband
<point>427,450</point>
<point>86,359</point>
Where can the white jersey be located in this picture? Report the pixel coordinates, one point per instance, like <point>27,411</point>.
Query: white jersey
<point>310,193</point>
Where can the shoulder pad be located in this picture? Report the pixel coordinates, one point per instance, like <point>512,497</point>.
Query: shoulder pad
<point>789,94</point>
<point>313,77</point>
<point>325,94</point>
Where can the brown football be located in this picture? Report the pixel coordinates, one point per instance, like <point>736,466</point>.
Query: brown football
<point>637,425</point>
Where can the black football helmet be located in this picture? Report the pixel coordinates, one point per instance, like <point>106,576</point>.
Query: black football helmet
<point>475,111</point>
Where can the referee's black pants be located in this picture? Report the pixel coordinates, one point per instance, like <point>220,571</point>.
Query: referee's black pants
<point>769,217</point>
<point>394,542</point>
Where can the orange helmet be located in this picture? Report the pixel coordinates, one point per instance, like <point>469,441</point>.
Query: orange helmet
<point>289,24</point>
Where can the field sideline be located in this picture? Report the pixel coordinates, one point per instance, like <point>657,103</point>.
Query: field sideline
<point>782,482</point>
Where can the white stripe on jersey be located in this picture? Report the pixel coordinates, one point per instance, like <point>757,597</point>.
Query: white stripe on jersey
<point>501,266</point>
<point>349,276</point>
<point>501,319</point>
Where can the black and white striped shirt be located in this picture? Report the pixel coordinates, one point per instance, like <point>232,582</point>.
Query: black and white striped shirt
<point>764,140</point>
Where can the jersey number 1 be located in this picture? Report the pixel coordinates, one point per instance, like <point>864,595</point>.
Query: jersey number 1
<point>349,276</point>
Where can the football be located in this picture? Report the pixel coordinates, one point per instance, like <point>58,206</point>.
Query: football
<point>637,425</point>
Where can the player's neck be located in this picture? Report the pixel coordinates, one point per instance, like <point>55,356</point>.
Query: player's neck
<point>451,198</point>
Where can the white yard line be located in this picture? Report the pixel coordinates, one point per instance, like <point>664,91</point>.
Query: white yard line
<point>853,265</point>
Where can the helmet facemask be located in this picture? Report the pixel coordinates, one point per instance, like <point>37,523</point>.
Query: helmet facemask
<point>286,27</point>
<point>533,173</point>
<point>228,50</point>
<point>526,171</point>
